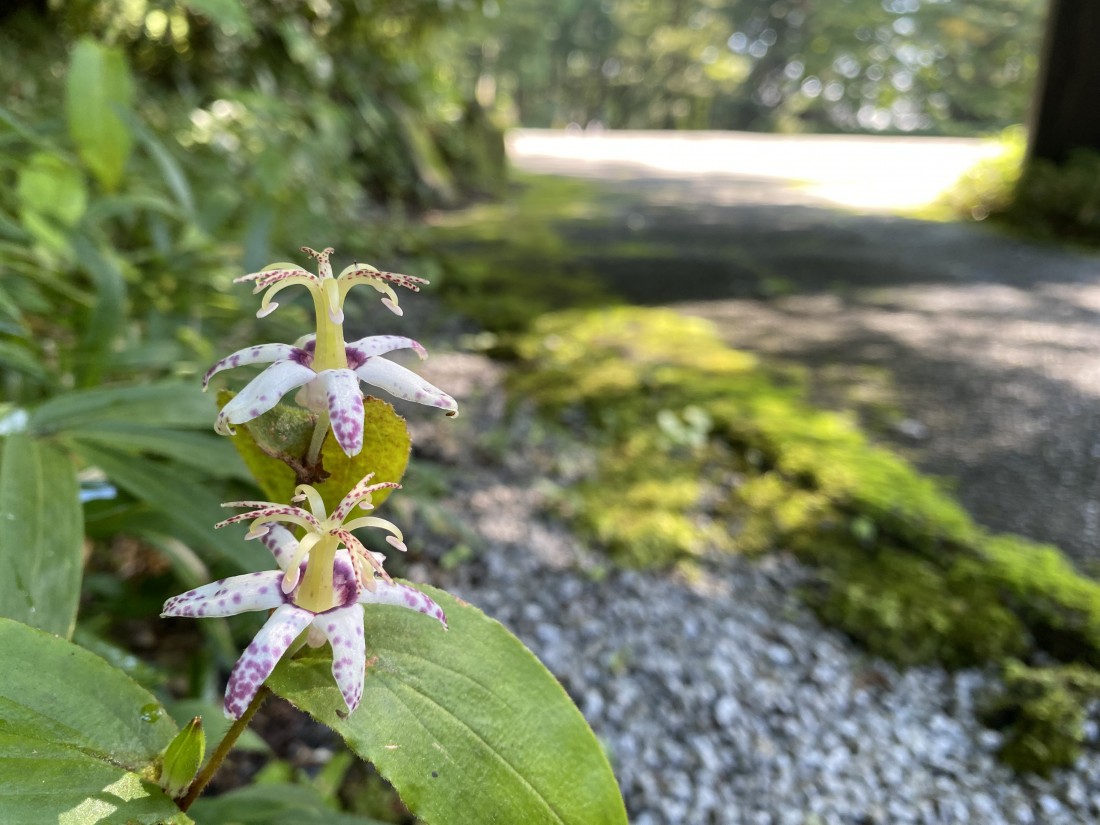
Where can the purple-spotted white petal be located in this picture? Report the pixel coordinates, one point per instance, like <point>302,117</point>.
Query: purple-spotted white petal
<point>325,600</point>
<point>401,595</point>
<point>345,408</point>
<point>334,390</point>
<point>343,627</point>
<point>259,354</point>
<point>228,597</point>
<point>404,383</point>
<point>263,393</point>
<point>359,351</point>
<point>261,656</point>
<point>280,542</point>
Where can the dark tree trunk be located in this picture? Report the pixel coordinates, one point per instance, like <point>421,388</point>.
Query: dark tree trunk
<point>1066,114</point>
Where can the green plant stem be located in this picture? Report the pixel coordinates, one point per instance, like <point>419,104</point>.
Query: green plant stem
<point>320,430</point>
<point>224,747</point>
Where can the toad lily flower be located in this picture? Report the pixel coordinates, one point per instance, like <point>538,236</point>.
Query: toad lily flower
<point>319,586</point>
<point>326,368</point>
<point>334,393</point>
<point>328,292</point>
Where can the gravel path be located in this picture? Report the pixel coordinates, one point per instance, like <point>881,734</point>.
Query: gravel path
<point>720,700</point>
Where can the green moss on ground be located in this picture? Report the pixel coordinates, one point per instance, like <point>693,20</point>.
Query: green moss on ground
<point>903,568</point>
<point>699,446</point>
<point>1042,711</point>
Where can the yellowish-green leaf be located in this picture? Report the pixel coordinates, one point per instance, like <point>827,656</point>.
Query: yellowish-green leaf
<point>99,90</point>
<point>52,187</point>
<point>278,439</point>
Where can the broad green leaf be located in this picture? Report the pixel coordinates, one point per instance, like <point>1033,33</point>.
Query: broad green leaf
<point>273,805</point>
<point>117,657</point>
<point>207,452</point>
<point>163,404</point>
<point>107,318</point>
<point>287,431</point>
<point>52,187</point>
<point>466,724</point>
<point>79,741</point>
<point>98,88</point>
<point>188,507</point>
<point>41,535</point>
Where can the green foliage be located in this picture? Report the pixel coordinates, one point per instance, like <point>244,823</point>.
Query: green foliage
<point>41,535</point>
<point>1061,606</point>
<point>98,94</point>
<point>986,188</point>
<point>70,752</point>
<point>642,502</point>
<point>457,741</point>
<point>183,757</point>
<point>273,804</point>
<point>861,65</point>
<point>1042,711</point>
<point>50,190</point>
<point>154,442</point>
<point>274,447</point>
<point>128,202</point>
<point>1059,200</point>
<point>924,614</point>
<point>1036,198</point>
<point>515,236</point>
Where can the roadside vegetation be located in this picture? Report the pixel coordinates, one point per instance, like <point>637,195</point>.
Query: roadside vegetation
<point>1044,201</point>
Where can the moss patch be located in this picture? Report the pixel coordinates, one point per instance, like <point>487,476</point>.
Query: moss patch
<point>1042,711</point>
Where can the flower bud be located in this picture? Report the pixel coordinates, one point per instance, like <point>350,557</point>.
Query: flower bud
<point>182,758</point>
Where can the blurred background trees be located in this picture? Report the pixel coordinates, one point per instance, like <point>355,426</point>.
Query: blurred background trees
<point>920,66</point>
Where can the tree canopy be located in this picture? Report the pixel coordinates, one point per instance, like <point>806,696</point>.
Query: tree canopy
<point>925,66</point>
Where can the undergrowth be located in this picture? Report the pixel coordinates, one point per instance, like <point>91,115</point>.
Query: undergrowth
<point>1040,199</point>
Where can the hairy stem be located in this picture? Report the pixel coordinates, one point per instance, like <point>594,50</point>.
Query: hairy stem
<point>224,747</point>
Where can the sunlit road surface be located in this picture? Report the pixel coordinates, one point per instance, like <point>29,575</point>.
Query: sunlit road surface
<point>792,247</point>
<point>866,173</point>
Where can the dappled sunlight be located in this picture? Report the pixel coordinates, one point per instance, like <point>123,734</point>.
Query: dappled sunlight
<point>99,808</point>
<point>855,171</point>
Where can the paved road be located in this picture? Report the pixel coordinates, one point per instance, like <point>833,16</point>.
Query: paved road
<point>790,244</point>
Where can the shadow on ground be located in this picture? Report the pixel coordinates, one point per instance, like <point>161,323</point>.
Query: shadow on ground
<point>993,344</point>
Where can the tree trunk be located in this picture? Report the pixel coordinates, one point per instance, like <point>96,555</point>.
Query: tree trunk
<point>1066,114</point>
